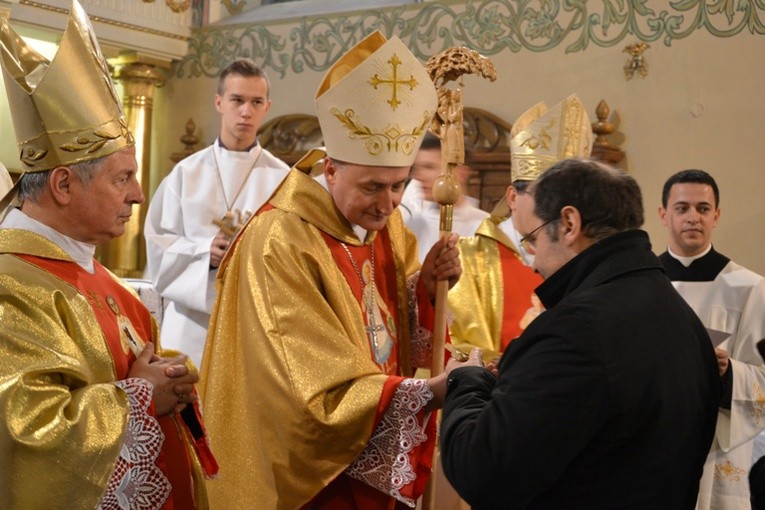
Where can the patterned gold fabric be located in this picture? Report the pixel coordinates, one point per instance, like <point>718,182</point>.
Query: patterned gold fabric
<point>476,301</point>
<point>66,110</point>
<point>375,104</point>
<point>62,416</point>
<point>289,385</point>
<point>541,137</point>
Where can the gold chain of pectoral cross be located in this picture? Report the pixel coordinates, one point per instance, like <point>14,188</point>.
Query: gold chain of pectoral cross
<point>372,328</point>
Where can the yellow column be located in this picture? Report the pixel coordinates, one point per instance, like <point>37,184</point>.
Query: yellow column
<point>126,255</point>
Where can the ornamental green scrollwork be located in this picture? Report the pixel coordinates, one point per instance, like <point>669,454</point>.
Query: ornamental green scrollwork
<point>487,26</point>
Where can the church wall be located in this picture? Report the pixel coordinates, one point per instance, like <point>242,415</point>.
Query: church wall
<point>700,104</point>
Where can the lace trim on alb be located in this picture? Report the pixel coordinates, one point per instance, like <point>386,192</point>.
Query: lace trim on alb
<point>136,482</point>
<point>385,464</point>
<point>422,337</point>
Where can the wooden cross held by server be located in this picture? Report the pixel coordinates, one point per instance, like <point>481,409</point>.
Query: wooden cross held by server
<point>450,65</point>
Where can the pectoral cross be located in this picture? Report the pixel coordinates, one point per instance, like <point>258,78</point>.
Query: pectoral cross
<point>373,328</point>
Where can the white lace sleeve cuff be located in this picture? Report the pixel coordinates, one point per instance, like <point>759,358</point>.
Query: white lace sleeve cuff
<point>136,482</point>
<point>385,463</point>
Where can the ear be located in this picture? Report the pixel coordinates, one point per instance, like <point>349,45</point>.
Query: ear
<point>510,195</point>
<point>218,103</point>
<point>571,226</point>
<point>663,216</point>
<point>60,182</point>
<point>717,217</point>
<point>268,106</point>
<point>330,171</point>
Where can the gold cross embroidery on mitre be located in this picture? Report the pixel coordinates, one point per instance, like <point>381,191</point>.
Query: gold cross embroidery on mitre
<point>394,81</point>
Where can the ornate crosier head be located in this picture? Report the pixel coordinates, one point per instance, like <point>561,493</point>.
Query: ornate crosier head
<point>64,111</point>
<point>375,104</point>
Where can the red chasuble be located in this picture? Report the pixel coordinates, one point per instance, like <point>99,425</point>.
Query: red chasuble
<point>108,299</point>
<point>519,282</point>
<point>380,308</point>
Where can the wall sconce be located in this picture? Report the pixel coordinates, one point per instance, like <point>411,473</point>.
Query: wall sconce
<point>636,63</point>
<point>175,5</point>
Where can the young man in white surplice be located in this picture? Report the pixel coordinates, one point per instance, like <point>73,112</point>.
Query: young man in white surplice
<point>202,203</point>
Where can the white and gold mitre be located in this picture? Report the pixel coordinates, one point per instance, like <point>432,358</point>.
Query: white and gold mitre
<point>375,104</point>
<point>66,110</point>
<point>541,137</point>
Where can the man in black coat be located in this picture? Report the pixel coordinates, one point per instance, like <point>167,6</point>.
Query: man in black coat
<point>609,398</point>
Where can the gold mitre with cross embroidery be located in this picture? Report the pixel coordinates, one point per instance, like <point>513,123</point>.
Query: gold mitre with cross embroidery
<point>541,137</point>
<point>65,110</point>
<point>375,104</point>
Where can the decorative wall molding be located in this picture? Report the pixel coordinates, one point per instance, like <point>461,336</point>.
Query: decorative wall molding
<point>487,26</point>
<point>151,29</point>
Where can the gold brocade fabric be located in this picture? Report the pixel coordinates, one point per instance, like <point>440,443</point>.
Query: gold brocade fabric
<point>288,381</point>
<point>476,301</point>
<point>63,418</point>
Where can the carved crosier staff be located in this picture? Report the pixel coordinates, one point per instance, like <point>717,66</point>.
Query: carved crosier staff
<point>450,65</point>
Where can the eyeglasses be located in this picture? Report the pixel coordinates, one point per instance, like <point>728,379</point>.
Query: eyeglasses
<point>529,241</point>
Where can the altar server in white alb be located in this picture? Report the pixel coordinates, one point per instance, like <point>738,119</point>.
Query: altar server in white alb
<point>202,204</point>
<point>731,299</point>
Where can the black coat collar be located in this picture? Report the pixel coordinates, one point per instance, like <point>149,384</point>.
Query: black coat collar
<point>608,258</point>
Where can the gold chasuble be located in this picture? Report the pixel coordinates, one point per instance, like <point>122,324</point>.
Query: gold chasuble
<point>494,300</point>
<point>310,338</point>
<point>68,436</point>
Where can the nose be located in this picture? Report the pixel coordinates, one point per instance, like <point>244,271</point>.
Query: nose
<point>247,110</point>
<point>136,196</point>
<point>387,201</point>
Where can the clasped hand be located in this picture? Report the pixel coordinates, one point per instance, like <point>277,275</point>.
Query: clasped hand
<point>172,380</point>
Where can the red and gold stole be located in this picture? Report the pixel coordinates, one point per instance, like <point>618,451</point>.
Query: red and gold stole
<point>519,282</point>
<point>352,263</point>
<point>97,288</point>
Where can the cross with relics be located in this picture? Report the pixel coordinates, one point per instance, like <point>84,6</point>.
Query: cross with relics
<point>394,81</point>
<point>373,328</point>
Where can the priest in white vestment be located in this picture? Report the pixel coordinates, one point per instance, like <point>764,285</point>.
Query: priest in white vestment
<point>200,206</point>
<point>727,298</point>
<point>424,218</point>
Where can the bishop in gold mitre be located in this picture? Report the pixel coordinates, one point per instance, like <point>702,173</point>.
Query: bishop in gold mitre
<point>494,300</point>
<point>324,311</point>
<point>95,414</point>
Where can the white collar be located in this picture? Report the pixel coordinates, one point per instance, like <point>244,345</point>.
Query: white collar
<point>686,261</point>
<point>82,253</point>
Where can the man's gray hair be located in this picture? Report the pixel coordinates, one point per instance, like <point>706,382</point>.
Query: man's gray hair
<point>32,184</point>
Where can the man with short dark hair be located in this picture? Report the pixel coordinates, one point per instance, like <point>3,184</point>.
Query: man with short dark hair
<point>95,413</point>
<point>202,203</point>
<point>730,299</point>
<point>494,300</point>
<point>609,398</point>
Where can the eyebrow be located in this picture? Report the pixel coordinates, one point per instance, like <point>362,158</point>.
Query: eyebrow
<point>685,202</point>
